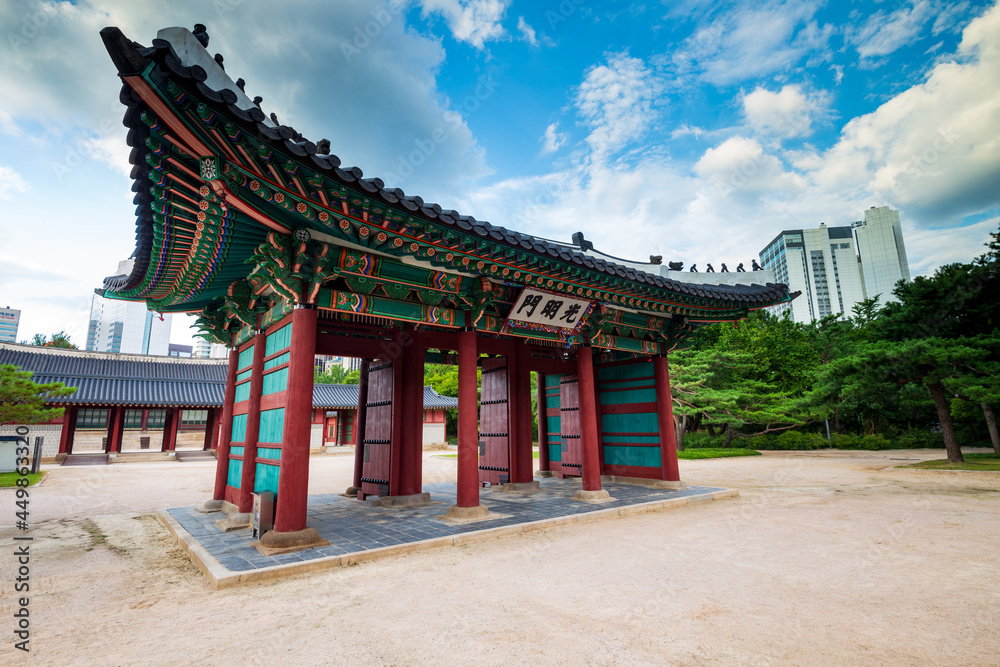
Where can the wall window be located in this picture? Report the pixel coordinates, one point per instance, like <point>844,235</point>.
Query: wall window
<point>93,418</point>
<point>156,419</point>
<point>133,419</point>
<point>194,418</point>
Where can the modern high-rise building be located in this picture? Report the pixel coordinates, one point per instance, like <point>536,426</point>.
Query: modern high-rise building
<point>836,267</point>
<point>882,253</point>
<point>126,326</point>
<point>9,320</point>
<point>204,349</point>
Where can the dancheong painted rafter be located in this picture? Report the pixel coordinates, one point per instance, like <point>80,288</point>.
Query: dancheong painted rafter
<point>284,253</point>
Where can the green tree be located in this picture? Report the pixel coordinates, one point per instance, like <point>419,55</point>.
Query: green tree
<point>58,339</point>
<point>336,375</point>
<point>865,312</point>
<point>977,381</point>
<point>726,387</point>
<point>22,401</point>
<point>931,363</point>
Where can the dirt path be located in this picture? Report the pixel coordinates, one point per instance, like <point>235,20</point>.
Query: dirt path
<point>826,558</point>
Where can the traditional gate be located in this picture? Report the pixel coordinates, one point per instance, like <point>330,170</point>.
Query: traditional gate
<point>571,453</point>
<point>494,420</point>
<point>377,462</point>
<point>549,411</point>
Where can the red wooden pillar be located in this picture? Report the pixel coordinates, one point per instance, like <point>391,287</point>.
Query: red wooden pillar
<point>249,474</point>
<point>293,480</point>
<point>222,465</point>
<point>543,424</point>
<point>170,430</point>
<point>396,428</point>
<point>588,419</point>
<point>468,421</point>
<point>520,414</point>
<point>359,423</point>
<point>209,429</point>
<point>68,430</point>
<point>669,469</point>
<point>116,427</point>
<point>412,432</point>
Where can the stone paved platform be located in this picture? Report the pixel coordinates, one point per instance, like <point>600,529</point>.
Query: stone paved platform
<point>359,531</point>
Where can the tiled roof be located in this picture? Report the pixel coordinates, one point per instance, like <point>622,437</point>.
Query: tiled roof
<point>137,380</point>
<point>112,379</point>
<point>346,396</point>
<point>131,59</point>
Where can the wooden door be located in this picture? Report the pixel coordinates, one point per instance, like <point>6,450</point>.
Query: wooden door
<point>494,417</point>
<point>377,459</point>
<point>569,422</point>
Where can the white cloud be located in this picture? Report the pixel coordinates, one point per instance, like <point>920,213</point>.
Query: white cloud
<point>11,182</point>
<point>527,32</point>
<point>553,140</point>
<point>948,16</point>
<point>928,248</point>
<point>741,165</point>
<point>753,41</point>
<point>838,73</point>
<point>933,150</point>
<point>616,101</point>
<point>786,113</point>
<point>882,34</point>
<point>685,130</point>
<point>62,78</point>
<point>472,21</point>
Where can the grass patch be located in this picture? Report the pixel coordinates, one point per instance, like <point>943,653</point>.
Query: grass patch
<point>714,453</point>
<point>9,479</point>
<point>982,462</point>
<point>701,453</point>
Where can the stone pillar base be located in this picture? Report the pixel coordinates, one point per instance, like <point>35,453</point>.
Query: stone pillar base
<point>521,487</point>
<point>273,543</point>
<point>642,481</point>
<point>400,502</point>
<point>544,473</point>
<point>352,492</point>
<point>456,514</point>
<point>600,496</point>
<point>210,506</point>
<point>235,521</point>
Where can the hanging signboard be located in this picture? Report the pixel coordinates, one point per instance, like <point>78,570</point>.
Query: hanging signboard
<point>538,309</point>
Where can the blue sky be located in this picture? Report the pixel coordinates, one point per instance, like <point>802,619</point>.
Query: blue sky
<point>693,130</point>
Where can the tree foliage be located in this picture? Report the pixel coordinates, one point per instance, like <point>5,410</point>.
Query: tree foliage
<point>58,339</point>
<point>22,401</point>
<point>337,375</point>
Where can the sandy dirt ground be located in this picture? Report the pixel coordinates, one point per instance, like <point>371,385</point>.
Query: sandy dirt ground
<point>827,558</point>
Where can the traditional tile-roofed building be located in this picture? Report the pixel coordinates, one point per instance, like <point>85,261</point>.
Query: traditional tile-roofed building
<point>130,403</point>
<point>286,253</point>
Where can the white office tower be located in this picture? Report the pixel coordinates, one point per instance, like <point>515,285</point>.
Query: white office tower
<point>822,264</point>
<point>204,349</point>
<point>126,326</point>
<point>883,255</point>
<point>351,364</point>
<point>833,269</point>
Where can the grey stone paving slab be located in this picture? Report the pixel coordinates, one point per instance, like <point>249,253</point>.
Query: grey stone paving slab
<point>352,526</point>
